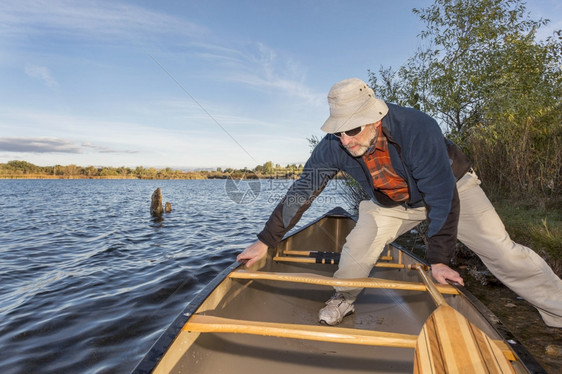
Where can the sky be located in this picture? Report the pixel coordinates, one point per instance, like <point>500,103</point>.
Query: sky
<point>189,84</point>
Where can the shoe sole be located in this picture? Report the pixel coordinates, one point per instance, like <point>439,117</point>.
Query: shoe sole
<point>338,322</point>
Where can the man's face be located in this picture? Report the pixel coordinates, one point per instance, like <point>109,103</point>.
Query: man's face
<point>358,144</point>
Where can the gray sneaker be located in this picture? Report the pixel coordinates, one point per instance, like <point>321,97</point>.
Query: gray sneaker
<point>336,308</point>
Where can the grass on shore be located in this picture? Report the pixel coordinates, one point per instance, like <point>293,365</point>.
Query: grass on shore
<point>537,225</point>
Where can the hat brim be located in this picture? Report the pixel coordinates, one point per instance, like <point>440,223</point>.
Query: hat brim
<point>371,114</point>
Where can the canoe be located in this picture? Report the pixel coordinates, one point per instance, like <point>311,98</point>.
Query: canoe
<point>265,318</point>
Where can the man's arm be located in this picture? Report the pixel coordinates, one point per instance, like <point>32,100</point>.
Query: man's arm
<point>425,154</point>
<point>318,170</point>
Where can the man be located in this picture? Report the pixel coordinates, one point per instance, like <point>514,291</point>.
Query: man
<point>409,170</point>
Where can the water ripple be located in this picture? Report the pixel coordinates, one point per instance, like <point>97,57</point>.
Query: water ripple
<point>88,280</point>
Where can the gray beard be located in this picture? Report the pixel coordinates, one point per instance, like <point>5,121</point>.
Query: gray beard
<point>363,148</point>
<point>360,152</point>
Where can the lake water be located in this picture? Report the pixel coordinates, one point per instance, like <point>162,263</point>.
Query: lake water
<point>89,280</point>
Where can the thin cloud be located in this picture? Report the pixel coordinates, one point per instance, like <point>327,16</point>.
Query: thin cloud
<point>102,149</point>
<point>287,86</point>
<point>251,65</point>
<point>254,64</point>
<point>88,19</point>
<point>41,73</point>
<point>38,145</point>
<point>52,145</point>
<point>261,67</point>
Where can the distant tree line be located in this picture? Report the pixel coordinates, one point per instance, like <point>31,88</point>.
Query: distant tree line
<point>496,90</point>
<point>24,169</point>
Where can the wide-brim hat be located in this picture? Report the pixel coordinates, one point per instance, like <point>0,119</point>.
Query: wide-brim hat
<point>352,104</point>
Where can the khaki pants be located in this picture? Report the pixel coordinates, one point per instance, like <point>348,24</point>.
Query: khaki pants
<point>480,229</point>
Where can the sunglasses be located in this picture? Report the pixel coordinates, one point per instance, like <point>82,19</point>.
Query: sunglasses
<point>351,133</point>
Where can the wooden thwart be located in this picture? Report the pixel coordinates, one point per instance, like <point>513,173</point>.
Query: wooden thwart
<point>201,323</point>
<point>211,324</point>
<point>329,281</point>
<point>310,260</point>
<point>313,253</point>
<point>449,343</point>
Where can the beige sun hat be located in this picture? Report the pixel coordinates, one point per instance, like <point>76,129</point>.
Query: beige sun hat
<point>352,104</point>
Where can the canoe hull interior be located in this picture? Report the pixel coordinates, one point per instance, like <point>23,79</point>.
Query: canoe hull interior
<point>289,303</point>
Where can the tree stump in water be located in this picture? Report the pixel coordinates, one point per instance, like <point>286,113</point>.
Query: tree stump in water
<point>168,207</point>
<point>156,204</point>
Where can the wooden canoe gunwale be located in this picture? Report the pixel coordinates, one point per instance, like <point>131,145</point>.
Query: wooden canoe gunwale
<point>166,340</point>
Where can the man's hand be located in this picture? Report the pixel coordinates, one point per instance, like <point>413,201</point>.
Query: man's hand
<point>253,253</point>
<point>442,272</point>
